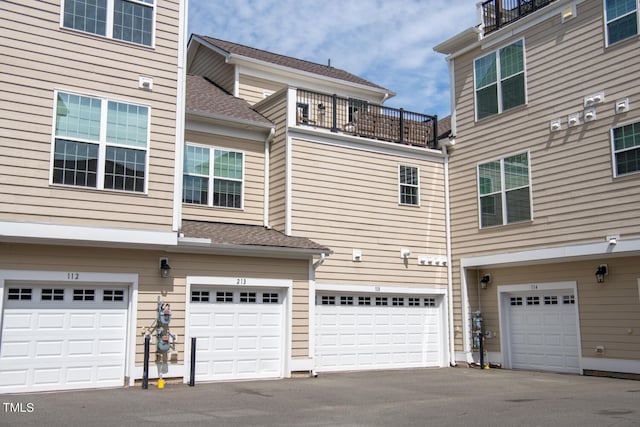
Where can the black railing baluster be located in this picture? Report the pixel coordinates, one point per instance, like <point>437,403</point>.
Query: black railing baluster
<point>401,126</point>
<point>497,16</point>
<point>334,126</point>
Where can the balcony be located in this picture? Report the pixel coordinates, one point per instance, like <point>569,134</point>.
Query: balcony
<point>359,118</point>
<point>498,13</point>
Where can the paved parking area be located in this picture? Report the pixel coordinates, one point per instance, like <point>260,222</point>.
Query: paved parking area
<point>423,397</point>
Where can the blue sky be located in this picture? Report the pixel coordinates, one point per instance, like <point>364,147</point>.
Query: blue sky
<point>388,42</point>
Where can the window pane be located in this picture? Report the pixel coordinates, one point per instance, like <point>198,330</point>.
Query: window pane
<point>227,194</point>
<point>490,181</point>
<point>486,72</point>
<point>491,210</point>
<point>487,101</point>
<point>196,160</point>
<point>516,171</point>
<point>132,22</point>
<point>78,117</point>
<point>628,161</point>
<point>408,175</point>
<point>227,164</point>
<point>408,195</point>
<point>622,28</point>
<point>511,60</point>
<point>195,190</point>
<point>617,8</point>
<point>75,163</point>
<point>124,169</point>
<point>86,15</point>
<point>513,91</point>
<point>518,208</point>
<point>127,124</point>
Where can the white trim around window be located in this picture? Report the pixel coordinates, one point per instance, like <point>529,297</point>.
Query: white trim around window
<point>207,171</point>
<point>101,18</point>
<point>493,183</point>
<point>625,149</point>
<point>96,145</point>
<point>408,185</point>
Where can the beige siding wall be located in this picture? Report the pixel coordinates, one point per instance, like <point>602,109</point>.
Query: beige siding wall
<point>575,197</point>
<point>253,189</point>
<point>39,57</point>
<point>253,89</point>
<point>348,199</point>
<point>609,313</point>
<point>151,286</point>
<point>209,64</point>
<point>274,108</point>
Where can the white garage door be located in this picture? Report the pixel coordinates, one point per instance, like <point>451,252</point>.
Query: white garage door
<point>239,333</point>
<point>359,332</point>
<point>59,338</point>
<point>543,331</point>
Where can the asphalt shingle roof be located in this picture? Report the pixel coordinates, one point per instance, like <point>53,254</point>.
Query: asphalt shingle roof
<point>205,97</point>
<point>249,235</point>
<point>287,61</point>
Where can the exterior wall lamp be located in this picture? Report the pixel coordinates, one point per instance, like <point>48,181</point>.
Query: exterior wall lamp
<point>486,279</point>
<point>164,267</point>
<point>602,271</point>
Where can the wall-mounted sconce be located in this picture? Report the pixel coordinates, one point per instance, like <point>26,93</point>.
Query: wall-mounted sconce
<point>602,271</point>
<point>164,267</point>
<point>405,253</point>
<point>486,279</point>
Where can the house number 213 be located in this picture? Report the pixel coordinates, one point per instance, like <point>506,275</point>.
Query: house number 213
<point>241,281</point>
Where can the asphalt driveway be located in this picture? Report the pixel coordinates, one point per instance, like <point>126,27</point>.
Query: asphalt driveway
<point>424,397</point>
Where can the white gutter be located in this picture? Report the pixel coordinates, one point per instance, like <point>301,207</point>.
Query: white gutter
<point>291,118</point>
<point>265,207</point>
<point>180,116</point>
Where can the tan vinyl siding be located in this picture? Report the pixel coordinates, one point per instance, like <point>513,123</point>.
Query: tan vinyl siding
<point>253,186</point>
<point>274,108</point>
<point>151,286</point>
<point>212,65</point>
<point>609,313</point>
<point>252,89</point>
<point>40,57</point>
<point>348,199</point>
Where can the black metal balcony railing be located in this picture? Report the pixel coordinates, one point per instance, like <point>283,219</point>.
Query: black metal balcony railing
<point>498,13</point>
<point>360,118</point>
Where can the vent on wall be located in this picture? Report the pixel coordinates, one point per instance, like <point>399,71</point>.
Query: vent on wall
<point>145,83</point>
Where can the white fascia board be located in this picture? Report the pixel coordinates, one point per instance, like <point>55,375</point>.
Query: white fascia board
<point>423,290</point>
<point>191,245</point>
<point>325,136</point>
<point>83,235</point>
<point>223,126</point>
<point>555,254</point>
<point>458,42</point>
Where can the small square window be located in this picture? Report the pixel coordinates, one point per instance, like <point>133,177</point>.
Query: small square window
<point>84,294</point>
<point>533,300</point>
<point>328,300</point>
<point>22,294</point>
<point>516,300</point>
<point>397,301</point>
<point>568,299</point>
<point>248,297</point>
<point>430,302</point>
<point>413,302</point>
<point>270,298</point>
<point>382,301</point>
<point>49,294</point>
<point>551,300</point>
<point>224,296</point>
<point>346,300</point>
<point>113,295</point>
<point>199,296</point>
<point>364,300</point>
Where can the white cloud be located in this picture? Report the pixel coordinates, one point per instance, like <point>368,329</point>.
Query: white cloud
<point>387,42</point>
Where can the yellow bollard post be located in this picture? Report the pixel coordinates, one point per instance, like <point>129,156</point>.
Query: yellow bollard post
<point>160,383</point>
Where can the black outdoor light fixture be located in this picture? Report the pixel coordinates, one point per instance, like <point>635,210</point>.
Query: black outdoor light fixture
<point>486,279</point>
<point>164,267</point>
<point>601,272</point>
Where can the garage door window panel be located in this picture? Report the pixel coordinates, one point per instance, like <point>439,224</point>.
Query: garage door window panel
<point>20,294</point>
<point>50,294</point>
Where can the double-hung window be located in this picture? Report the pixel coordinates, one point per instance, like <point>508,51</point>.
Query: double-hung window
<point>500,80</point>
<point>409,178</point>
<point>212,176</point>
<point>128,20</point>
<point>622,19</point>
<point>626,149</point>
<point>100,143</point>
<point>505,190</point>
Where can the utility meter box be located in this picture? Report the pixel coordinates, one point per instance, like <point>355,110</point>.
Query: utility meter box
<point>163,343</point>
<point>164,314</point>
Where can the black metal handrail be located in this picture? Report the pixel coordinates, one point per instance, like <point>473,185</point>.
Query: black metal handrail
<point>360,118</point>
<point>498,13</point>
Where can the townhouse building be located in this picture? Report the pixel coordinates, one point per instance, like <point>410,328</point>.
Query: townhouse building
<point>544,185</point>
<point>270,208</point>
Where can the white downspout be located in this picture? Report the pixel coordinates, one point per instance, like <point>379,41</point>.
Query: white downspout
<point>447,216</point>
<point>180,116</point>
<point>267,144</point>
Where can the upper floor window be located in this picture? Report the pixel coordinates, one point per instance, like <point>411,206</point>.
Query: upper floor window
<point>622,19</point>
<point>409,185</point>
<point>505,190</point>
<point>128,20</point>
<point>499,80</point>
<point>626,149</point>
<point>100,143</point>
<point>212,177</point>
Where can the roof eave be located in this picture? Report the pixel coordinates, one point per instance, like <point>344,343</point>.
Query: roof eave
<point>230,120</point>
<point>459,42</point>
<point>202,245</point>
